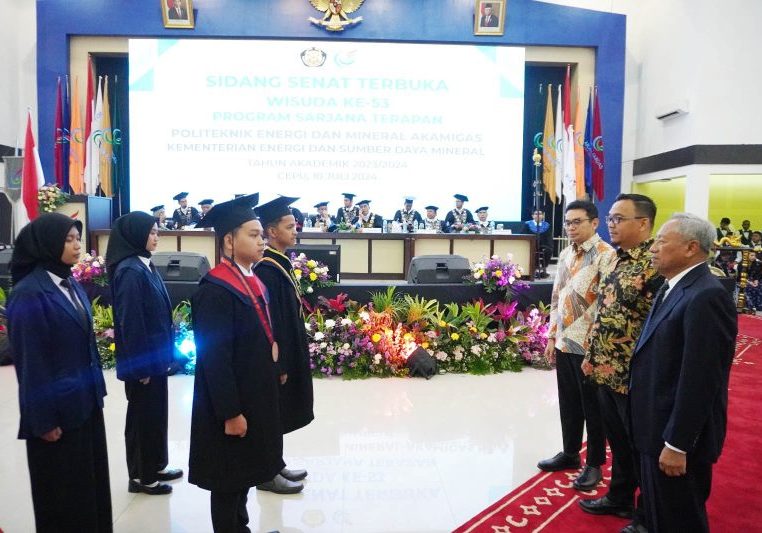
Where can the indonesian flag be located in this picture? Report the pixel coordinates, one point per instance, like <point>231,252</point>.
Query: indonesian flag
<point>32,179</point>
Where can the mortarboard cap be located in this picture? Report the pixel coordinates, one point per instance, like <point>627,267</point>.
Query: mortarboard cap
<point>156,208</point>
<point>432,207</point>
<point>461,197</point>
<point>482,209</point>
<point>320,204</point>
<point>348,195</point>
<point>409,199</point>
<point>206,201</point>
<point>227,216</point>
<point>275,209</point>
<point>361,202</point>
<point>180,196</point>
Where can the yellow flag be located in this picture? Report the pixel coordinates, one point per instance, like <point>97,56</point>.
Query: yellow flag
<point>549,151</point>
<point>76,144</point>
<point>106,147</point>
<point>579,139</point>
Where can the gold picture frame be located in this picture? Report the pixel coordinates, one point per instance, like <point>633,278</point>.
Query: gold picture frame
<point>177,13</point>
<point>489,17</point>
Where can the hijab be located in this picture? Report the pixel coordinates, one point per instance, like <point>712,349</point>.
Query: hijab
<point>41,242</point>
<point>129,236</point>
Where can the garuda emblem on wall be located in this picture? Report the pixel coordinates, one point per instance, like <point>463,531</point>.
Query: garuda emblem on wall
<point>336,13</point>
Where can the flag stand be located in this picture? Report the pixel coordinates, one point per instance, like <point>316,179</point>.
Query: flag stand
<point>540,270</point>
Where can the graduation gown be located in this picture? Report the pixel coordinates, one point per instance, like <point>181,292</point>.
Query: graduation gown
<point>235,374</point>
<point>296,395</point>
<point>453,217</point>
<point>349,215</point>
<point>407,217</point>
<point>186,219</point>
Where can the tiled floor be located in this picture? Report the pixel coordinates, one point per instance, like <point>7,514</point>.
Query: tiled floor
<point>384,455</point>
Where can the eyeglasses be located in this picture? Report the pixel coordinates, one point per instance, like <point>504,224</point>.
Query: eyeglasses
<point>574,223</point>
<point>615,220</point>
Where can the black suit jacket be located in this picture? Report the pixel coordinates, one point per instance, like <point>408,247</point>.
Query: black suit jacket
<point>142,321</point>
<point>173,15</point>
<point>680,368</point>
<point>57,362</point>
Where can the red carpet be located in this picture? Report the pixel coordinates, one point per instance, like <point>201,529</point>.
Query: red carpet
<point>547,501</point>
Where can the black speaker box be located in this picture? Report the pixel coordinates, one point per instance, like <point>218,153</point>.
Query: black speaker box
<point>438,269</point>
<point>180,266</point>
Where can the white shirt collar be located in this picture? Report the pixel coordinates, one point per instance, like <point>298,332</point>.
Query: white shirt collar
<point>246,271</point>
<point>146,261</point>
<point>56,279</point>
<point>680,275</point>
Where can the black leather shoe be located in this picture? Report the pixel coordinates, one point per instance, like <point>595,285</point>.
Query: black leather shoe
<point>606,506</point>
<point>588,479</point>
<point>293,475</point>
<point>160,488</point>
<point>169,474</point>
<point>560,461</point>
<point>281,485</point>
<point>634,528</point>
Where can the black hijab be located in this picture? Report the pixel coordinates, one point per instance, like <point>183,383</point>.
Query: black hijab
<point>41,242</point>
<point>129,236</point>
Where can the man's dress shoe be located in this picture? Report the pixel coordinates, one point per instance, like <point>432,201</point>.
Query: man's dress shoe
<point>155,490</point>
<point>169,474</point>
<point>293,475</point>
<point>606,506</point>
<point>588,479</point>
<point>281,485</point>
<point>560,461</point>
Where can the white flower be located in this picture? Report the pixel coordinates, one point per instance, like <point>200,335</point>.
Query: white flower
<point>365,316</point>
<point>478,266</point>
<point>319,335</point>
<point>377,358</point>
<point>496,257</point>
<point>307,326</point>
<point>310,290</point>
<point>491,337</point>
<point>440,355</point>
<point>330,323</point>
<point>323,345</point>
<point>476,350</point>
<point>345,346</point>
<point>458,356</point>
<point>96,264</point>
<point>345,322</point>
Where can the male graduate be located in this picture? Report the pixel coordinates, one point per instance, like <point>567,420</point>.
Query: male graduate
<point>184,215</point>
<point>407,216</point>
<point>205,205</point>
<point>276,272</point>
<point>459,217</point>
<point>367,218</point>
<point>349,212</point>
<point>236,437</point>
<point>432,222</point>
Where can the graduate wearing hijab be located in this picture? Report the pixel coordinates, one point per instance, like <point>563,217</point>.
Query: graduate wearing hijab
<point>236,437</point>
<point>276,272</point>
<point>144,349</point>
<point>61,385</point>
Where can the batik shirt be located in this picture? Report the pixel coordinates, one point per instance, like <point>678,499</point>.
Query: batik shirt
<point>627,288</point>
<point>575,291</point>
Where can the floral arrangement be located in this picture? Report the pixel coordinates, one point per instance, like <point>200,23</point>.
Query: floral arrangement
<point>103,326</point>
<point>50,198</point>
<point>309,273</point>
<point>91,269</point>
<point>497,274</point>
<point>375,340</point>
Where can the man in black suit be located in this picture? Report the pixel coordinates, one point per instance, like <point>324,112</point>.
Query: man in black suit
<point>178,11</point>
<point>679,378</point>
<point>488,20</point>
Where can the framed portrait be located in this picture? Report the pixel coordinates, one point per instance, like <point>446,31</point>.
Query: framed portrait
<point>177,13</point>
<point>489,17</point>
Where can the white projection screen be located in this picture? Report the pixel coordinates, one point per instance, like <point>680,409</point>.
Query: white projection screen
<point>316,119</point>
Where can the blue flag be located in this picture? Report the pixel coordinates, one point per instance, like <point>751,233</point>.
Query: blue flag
<point>588,148</point>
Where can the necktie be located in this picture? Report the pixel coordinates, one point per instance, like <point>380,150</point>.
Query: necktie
<point>66,284</point>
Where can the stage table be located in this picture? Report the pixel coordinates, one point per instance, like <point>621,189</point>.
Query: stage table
<point>369,255</point>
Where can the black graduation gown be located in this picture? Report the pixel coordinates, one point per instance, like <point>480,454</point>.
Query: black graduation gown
<point>296,396</point>
<point>235,374</point>
<point>182,220</point>
<point>450,218</point>
<point>349,215</point>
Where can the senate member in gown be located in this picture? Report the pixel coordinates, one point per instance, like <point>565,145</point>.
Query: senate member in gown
<point>61,385</point>
<point>276,272</point>
<point>679,379</point>
<point>236,439</point>
<point>144,341</point>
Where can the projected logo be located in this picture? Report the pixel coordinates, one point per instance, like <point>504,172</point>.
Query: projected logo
<point>345,59</point>
<point>313,57</point>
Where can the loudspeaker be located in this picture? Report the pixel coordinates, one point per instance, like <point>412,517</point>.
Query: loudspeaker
<point>180,266</point>
<point>5,269</point>
<point>438,269</point>
<point>330,254</point>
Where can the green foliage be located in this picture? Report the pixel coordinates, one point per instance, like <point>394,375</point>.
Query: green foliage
<point>388,302</point>
<point>418,310</point>
<point>2,297</point>
<point>475,314</point>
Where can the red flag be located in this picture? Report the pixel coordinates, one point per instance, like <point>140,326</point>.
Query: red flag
<point>29,174</point>
<point>88,105</point>
<point>597,152</point>
<point>567,99</point>
<point>58,139</point>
